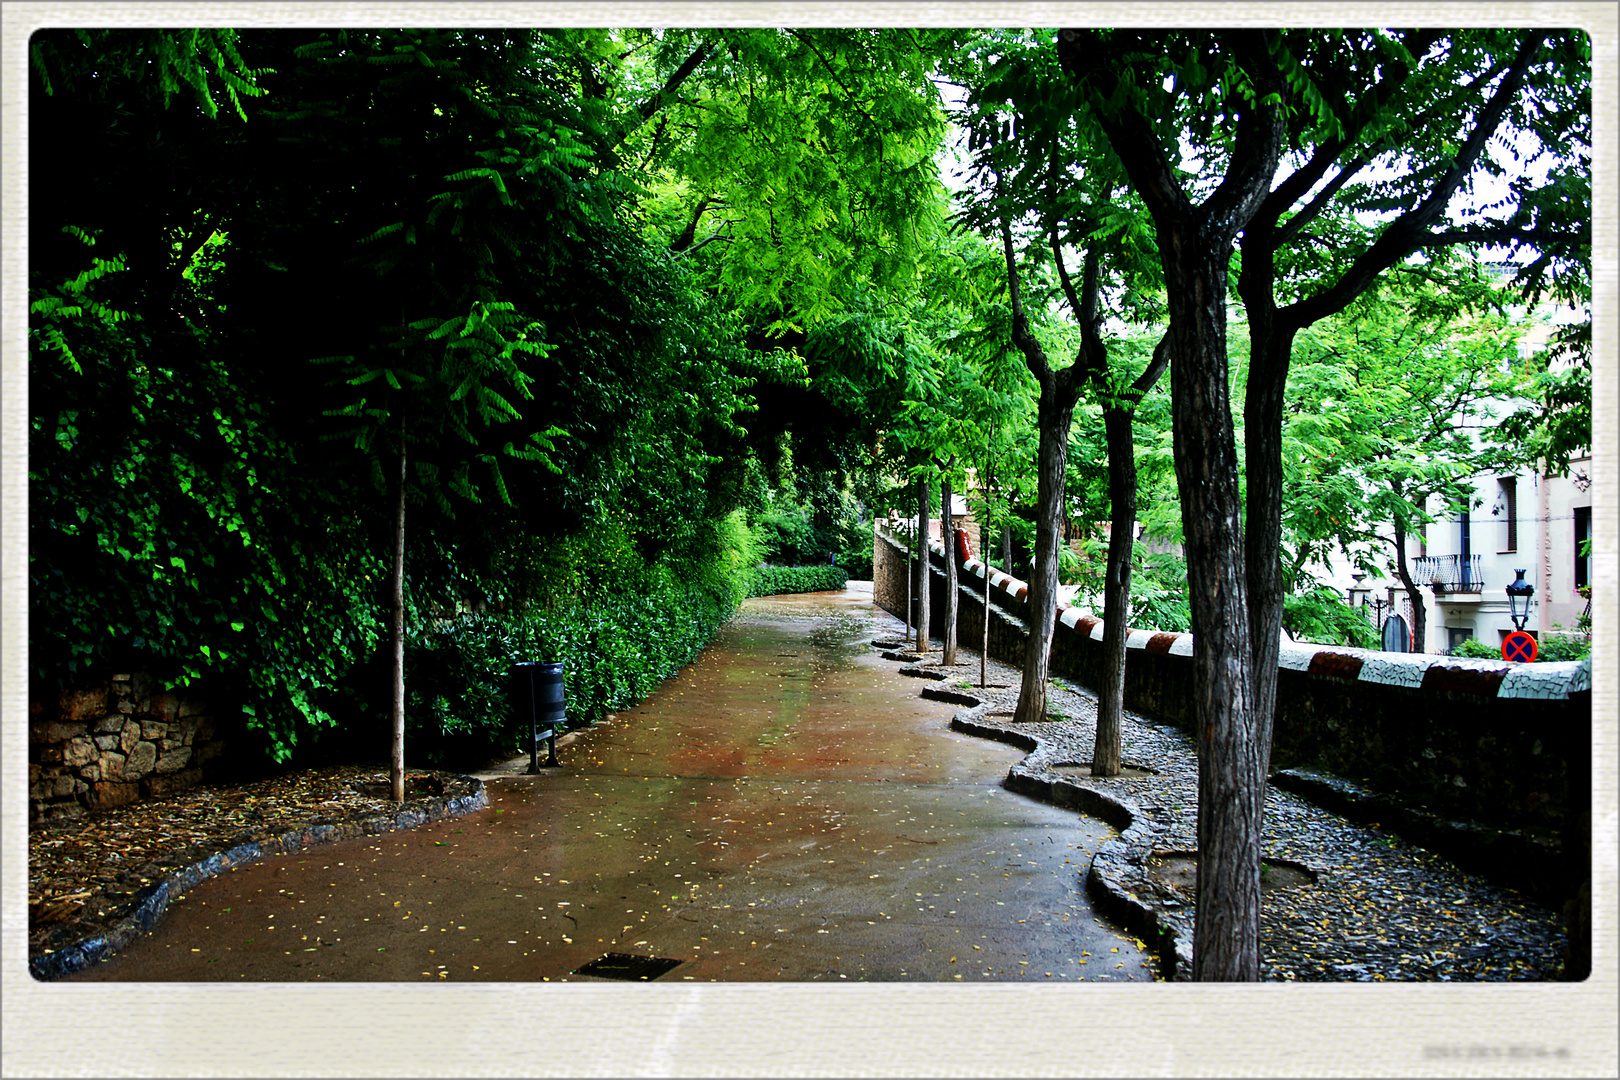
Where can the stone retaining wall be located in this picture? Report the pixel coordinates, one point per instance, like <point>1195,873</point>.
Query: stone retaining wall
<point>1505,744</point>
<point>112,744</point>
<point>889,568</point>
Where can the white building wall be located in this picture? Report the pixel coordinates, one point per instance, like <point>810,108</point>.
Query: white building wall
<point>1544,548</point>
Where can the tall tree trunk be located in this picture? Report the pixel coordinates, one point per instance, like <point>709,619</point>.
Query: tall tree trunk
<point>1006,549</point>
<point>1105,754</point>
<point>984,555</point>
<point>922,566</point>
<point>1271,342</point>
<point>396,598</point>
<point>948,651</point>
<point>1195,244</point>
<point>1414,591</point>
<point>1231,785</point>
<point>1055,417</point>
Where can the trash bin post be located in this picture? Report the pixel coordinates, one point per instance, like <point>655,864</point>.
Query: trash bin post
<point>538,691</point>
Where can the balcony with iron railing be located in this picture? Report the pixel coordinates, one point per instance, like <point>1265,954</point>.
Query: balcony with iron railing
<point>1445,574</point>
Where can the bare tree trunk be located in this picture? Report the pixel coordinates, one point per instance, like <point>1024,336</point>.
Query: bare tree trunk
<point>1006,549</point>
<point>396,597</point>
<point>1271,343</point>
<point>1105,753</point>
<point>948,654</point>
<point>910,575</point>
<point>984,553</point>
<point>922,566</point>
<point>1118,414</point>
<point>1060,390</point>
<point>1056,416</point>
<point>1414,591</point>
<point>1231,785</point>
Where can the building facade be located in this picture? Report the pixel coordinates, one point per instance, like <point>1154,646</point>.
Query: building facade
<point>1526,522</point>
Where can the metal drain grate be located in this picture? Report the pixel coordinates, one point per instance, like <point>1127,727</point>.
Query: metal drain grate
<point>627,968</point>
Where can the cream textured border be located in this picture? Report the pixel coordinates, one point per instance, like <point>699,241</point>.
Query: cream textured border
<point>796,1029</point>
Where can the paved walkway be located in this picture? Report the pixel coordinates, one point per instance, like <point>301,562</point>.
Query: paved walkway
<point>786,808</point>
<point>792,807</point>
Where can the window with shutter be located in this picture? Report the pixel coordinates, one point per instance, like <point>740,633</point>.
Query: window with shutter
<point>1508,501</point>
<point>1583,559</point>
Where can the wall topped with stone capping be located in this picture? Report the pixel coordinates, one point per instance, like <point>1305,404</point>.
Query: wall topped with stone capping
<point>1507,745</point>
<point>115,743</point>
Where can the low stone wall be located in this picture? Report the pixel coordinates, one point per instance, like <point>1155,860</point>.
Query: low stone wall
<point>1507,745</point>
<point>889,568</point>
<point>112,744</point>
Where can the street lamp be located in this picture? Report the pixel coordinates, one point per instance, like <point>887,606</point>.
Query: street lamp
<point>1519,594</point>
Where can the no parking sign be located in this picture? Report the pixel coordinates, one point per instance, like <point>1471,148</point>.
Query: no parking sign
<point>1519,647</point>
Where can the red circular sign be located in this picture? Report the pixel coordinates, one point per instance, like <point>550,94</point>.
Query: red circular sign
<point>1519,648</point>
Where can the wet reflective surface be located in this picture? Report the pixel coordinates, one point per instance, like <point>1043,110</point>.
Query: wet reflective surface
<point>786,808</point>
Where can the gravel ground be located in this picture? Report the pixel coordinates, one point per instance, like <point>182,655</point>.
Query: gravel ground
<point>1340,901</point>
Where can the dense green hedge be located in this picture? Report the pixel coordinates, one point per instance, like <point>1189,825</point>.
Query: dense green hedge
<point>615,650</point>
<point>614,653</point>
<point>770,580</point>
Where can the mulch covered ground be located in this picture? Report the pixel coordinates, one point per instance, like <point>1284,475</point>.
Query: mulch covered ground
<point>82,873</point>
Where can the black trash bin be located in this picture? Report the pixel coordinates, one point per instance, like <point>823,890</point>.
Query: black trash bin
<point>537,697</point>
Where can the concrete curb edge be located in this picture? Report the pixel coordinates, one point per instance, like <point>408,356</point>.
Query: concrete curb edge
<point>1117,862</point>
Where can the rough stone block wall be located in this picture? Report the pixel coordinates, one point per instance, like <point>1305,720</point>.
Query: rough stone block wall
<point>889,566</point>
<point>1503,744</point>
<point>1452,737</point>
<point>112,744</point>
<point>1008,634</point>
<point>1009,606</point>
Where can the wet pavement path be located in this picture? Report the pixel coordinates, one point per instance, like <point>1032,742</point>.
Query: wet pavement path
<point>785,808</point>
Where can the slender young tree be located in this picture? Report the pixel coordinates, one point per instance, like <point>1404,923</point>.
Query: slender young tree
<point>947,655</point>
<point>923,573</point>
<point>1118,413</point>
<point>984,552</point>
<point>1051,165</point>
<point>1059,393</point>
<point>396,627</point>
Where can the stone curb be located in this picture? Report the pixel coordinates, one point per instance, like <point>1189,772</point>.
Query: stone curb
<point>151,902</point>
<point>949,697</point>
<point>1117,863</point>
